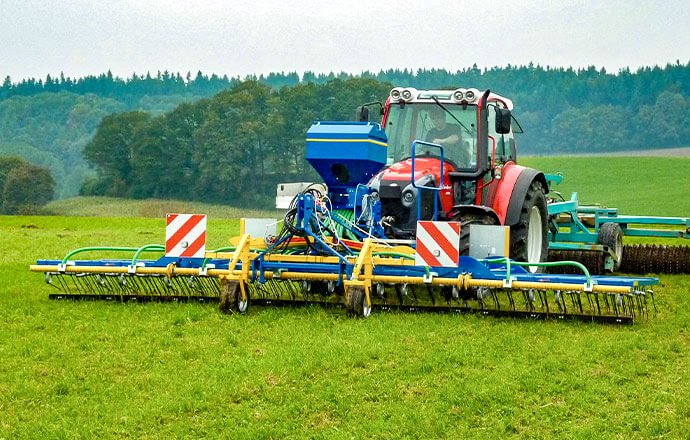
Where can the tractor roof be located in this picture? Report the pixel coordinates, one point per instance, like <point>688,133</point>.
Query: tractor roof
<point>457,96</point>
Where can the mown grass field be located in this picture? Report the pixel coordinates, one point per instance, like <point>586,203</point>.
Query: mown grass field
<point>105,370</point>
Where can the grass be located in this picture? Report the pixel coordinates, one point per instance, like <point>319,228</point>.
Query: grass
<point>93,369</point>
<point>635,185</point>
<point>150,208</point>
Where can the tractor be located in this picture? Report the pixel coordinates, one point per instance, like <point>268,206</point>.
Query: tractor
<point>464,139</point>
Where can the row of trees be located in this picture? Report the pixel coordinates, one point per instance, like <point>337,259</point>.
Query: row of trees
<point>534,85</point>
<point>49,121</point>
<point>24,187</point>
<point>232,148</point>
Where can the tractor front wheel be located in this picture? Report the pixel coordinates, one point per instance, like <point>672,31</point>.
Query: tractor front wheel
<point>466,221</point>
<point>529,239</point>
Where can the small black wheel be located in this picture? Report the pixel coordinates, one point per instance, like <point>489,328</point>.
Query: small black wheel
<point>231,297</point>
<point>611,236</point>
<point>228,295</point>
<point>356,302</point>
<point>240,305</point>
<point>529,239</point>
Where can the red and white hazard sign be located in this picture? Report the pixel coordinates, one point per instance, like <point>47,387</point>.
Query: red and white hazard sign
<point>438,244</point>
<point>185,235</point>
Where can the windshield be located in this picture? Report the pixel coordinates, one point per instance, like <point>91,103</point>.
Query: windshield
<point>430,123</point>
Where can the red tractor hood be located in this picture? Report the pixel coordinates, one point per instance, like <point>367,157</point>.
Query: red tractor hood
<point>402,171</point>
<point>422,166</point>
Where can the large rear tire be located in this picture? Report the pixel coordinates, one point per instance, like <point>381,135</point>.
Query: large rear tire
<point>529,240</point>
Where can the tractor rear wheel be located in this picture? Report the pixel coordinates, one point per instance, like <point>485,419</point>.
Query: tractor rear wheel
<point>529,239</point>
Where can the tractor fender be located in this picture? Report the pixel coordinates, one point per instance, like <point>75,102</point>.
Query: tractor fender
<point>519,192</point>
<point>460,211</point>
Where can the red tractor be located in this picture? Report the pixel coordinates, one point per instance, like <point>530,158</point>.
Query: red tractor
<point>474,171</point>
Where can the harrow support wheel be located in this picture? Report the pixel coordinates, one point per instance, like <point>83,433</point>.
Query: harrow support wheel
<point>231,297</point>
<point>356,302</point>
<point>611,236</point>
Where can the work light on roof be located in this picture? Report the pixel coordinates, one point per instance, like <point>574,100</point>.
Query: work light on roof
<point>395,94</point>
<point>458,95</point>
<point>471,95</point>
<point>406,94</point>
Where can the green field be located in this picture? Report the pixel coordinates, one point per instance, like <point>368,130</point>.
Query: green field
<point>634,185</point>
<point>93,369</point>
<point>150,208</point>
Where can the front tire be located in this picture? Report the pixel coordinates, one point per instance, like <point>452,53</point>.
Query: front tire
<point>529,240</point>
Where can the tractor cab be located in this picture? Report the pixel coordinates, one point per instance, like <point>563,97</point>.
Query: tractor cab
<point>472,130</point>
<point>452,118</point>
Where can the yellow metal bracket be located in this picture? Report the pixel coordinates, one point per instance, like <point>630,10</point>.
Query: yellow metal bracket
<point>365,261</point>
<point>243,254</point>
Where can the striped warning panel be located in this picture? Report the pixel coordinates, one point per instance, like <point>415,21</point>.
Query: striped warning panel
<point>185,235</point>
<point>438,244</point>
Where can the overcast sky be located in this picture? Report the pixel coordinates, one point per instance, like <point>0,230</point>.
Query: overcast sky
<point>80,37</point>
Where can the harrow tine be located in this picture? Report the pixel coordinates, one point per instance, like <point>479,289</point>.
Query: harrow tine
<point>271,288</point>
<point>544,300</point>
<point>81,282</point>
<point>289,289</point>
<point>590,301</point>
<point>413,292</point>
<point>429,290</point>
<point>526,299</point>
<point>494,295</point>
<point>63,284</point>
<point>596,299</point>
<point>154,286</point>
<point>557,300</point>
<point>614,304</point>
<point>511,300</point>
<point>209,287</point>
<point>641,303</point>
<point>399,293</point>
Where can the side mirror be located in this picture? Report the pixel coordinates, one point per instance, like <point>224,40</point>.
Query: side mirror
<point>503,120</point>
<point>362,114</point>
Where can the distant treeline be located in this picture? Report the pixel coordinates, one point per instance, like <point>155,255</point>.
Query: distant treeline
<point>49,121</point>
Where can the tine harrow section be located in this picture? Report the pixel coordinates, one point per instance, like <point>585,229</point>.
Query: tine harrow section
<point>360,283</point>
